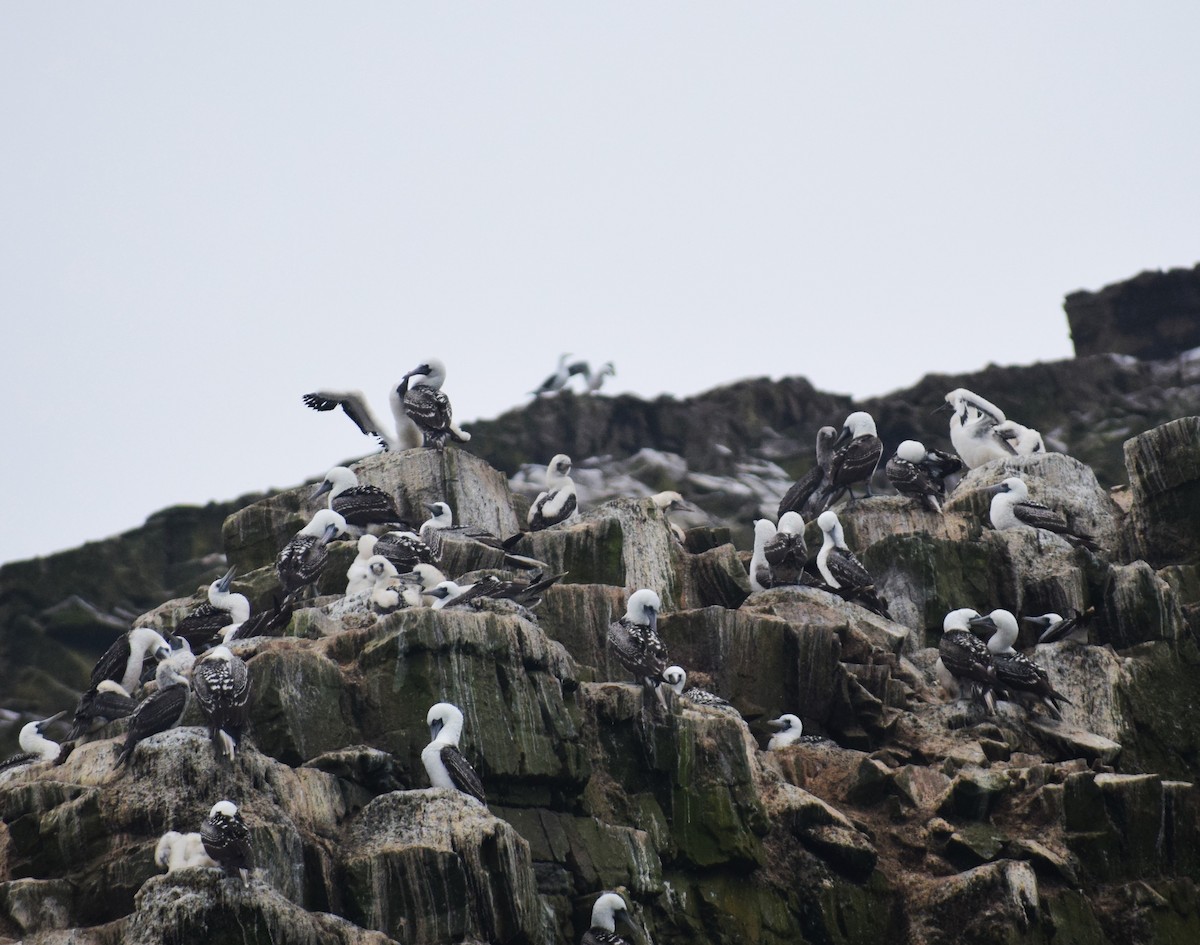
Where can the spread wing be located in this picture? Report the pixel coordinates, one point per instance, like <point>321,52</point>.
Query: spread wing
<point>352,403</point>
<point>462,774</point>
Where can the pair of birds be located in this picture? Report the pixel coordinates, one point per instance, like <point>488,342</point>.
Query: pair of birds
<point>980,433</point>
<point>418,402</point>
<point>843,460</point>
<point>593,380</point>
<point>968,667</point>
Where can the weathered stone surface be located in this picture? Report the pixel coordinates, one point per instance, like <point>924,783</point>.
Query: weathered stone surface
<point>996,903</point>
<point>1156,314</point>
<point>1164,475</point>
<point>974,793</point>
<point>1139,606</point>
<point>1114,824</point>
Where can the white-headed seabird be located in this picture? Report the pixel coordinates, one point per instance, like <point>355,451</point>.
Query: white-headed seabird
<point>1011,508</point>
<point>761,578</point>
<point>964,666</point>
<point>856,453</point>
<point>973,428</point>
<point>558,502</point>
<point>177,851</point>
<point>786,552</point>
<point>440,524</point>
<point>525,593</point>
<point>99,706</point>
<point>558,380</point>
<point>806,493</point>
<point>608,910</point>
<point>791,732</point>
<point>222,608</point>
<point>123,661</point>
<point>1055,628</point>
<point>222,686</point>
<point>159,711</point>
<point>1015,672</point>
<point>428,406</point>
<point>676,678</point>
<point>1024,440</point>
<point>634,638</point>
<point>35,746</point>
<point>360,505</point>
<point>920,473</point>
<point>226,839</point>
<point>593,380</point>
<point>303,558</point>
<point>355,407</point>
<point>444,763</point>
<point>841,570</point>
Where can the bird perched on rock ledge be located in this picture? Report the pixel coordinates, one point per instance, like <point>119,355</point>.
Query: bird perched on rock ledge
<point>427,405</point>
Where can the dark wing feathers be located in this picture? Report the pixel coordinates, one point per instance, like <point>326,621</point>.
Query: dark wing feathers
<point>112,664</point>
<point>796,498</point>
<point>430,410</point>
<point>966,657</point>
<point>227,840</point>
<point>787,554</point>
<point>156,713</point>
<point>539,519</point>
<point>855,462</point>
<point>1039,516</point>
<point>638,648</point>
<point>462,774</point>
<point>351,404</point>
<point>404,551</point>
<point>366,505</point>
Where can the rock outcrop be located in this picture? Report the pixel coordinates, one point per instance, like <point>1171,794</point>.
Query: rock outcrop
<point>1153,315</point>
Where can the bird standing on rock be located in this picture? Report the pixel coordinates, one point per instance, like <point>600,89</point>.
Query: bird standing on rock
<point>842,571</point>
<point>227,840</point>
<point>558,502</point>
<point>856,453</point>
<point>222,686</point>
<point>444,763</point>
<point>427,405</point>
<point>1011,509</point>
<point>806,494</point>
<point>635,641</point>
<point>303,558</point>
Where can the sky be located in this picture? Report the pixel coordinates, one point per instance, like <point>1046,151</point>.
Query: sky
<point>210,209</point>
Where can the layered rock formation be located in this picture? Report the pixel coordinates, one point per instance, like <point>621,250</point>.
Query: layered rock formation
<point>918,820</point>
<point>1153,315</point>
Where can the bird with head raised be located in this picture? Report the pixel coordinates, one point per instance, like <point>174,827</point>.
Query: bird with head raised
<point>444,763</point>
<point>1023,679</point>
<point>427,405</point>
<point>35,746</point>
<point>841,570</point>
<point>635,641</point>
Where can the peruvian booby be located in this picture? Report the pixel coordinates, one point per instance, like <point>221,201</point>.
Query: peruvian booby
<point>226,839</point>
<point>791,732</point>
<point>1011,508</point>
<point>266,623</point>
<point>856,453</point>
<point>35,746</point>
<point>1015,672</point>
<point>444,763</point>
<point>177,851</point>
<point>222,686</point>
<point>676,678</point>
<point>558,380</point>
<point>526,593</point>
<point>404,549</point>
<point>1055,627</point>
<point>593,380</point>
<point>973,428</point>
<point>428,406</point>
<point>964,665</point>
<point>355,407</point>
<point>786,552</point>
<point>440,524</point>
<point>303,558</point>
<point>100,705</point>
<point>806,494</point>
<point>841,570</point>
<point>558,502</point>
<point>608,910</point>
<point>635,641</point>
<point>761,578</point>
<point>1024,440</point>
<point>123,661</point>
<point>920,474</point>
<point>358,576</point>
<point>159,711</point>
<point>390,594</point>
<point>222,608</point>
<point>360,505</point>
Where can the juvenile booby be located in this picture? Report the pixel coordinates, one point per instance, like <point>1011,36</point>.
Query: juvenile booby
<point>917,473</point>
<point>791,732</point>
<point>558,502</point>
<point>358,576</point>
<point>841,570</point>
<point>806,494</point>
<point>404,549</point>
<point>159,711</point>
<point>1011,508</point>
<point>635,641</point>
<point>608,910</point>
<point>1017,673</point>
<point>222,687</point>
<point>303,558</point>
<point>99,706</point>
<point>973,428</point>
<point>856,453</point>
<point>123,661</point>
<point>177,851</point>
<point>1024,440</point>
<point>443,762</point>
<point>360,505</point>
<point>35,746</point>
<point>428,406</point>
<point>558,380</point>
<point>964,665</point>
<point>676,678</point>
<point>1055,627</point>
<point>226,839</point>
<point>355,406</point>
<point>222,608</point>
<point>786,552</point>
<point>761,578</point>
<point>394,593</point>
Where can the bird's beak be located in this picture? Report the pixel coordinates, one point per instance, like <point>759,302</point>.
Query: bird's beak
<point>432,508</point>
<point>944,405</point>
<point>435,727</point>
<point>162,653</point>
<point>330,533</point>
<point>843,437</point>
<point>653,619</point>
<point>321,489</point>
<point>996,489</point>
<point>982,623</point>
<point>776,723</point>
<point>54,718</point>
<point>225,582</point>
<point>1037,621</point>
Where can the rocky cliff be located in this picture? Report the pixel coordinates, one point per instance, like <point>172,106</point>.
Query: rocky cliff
<point>917,819</point>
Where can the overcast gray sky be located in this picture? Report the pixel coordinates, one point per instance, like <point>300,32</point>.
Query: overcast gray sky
<point>211,208</point>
